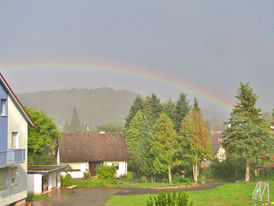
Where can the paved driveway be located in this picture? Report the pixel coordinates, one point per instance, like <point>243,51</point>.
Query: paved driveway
<point>78,197</point>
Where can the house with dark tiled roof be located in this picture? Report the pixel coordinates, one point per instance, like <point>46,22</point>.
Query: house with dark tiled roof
<point>84,152</point>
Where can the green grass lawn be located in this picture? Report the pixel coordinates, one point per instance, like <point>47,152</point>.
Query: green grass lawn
<point>226,195</point>
<point>37,197</point>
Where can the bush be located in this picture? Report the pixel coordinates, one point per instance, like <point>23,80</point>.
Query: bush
<point>144,179</point>
<point>107,174</point>
<point>130,175</point>
<point>86,175</point>
<point>66,181</point>
<point>175,199</point>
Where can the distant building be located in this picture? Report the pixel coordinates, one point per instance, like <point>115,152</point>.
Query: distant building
<point>14,123</point>
<point>84,152</point>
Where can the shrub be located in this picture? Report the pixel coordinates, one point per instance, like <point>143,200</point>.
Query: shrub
<point>66,181</point>
<point>107,174</point>
<point>86,175</point>
<point>175,199</point>
<point>144,179</point>
<point>130,175</point>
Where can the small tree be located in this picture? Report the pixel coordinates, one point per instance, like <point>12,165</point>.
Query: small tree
<point>164,146</point>
<point>75,124</point>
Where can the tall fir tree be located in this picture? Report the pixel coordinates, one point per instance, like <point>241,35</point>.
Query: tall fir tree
<point>248,136</point>
<point>153,109</point>
<point>169,108</point>
<point>164,147</point>
<point>181,109</point>
<point>135,137</point>
<point>75,124</point>
<point>195,139</point>
<point>138,104</point>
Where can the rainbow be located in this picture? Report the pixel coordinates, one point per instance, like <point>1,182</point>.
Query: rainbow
<point>122,70</point>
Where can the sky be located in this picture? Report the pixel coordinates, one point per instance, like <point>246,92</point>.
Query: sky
<point>203,48</point>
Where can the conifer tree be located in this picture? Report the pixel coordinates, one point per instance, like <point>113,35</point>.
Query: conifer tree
<point>248,135</point>
<point>152,110</point>
<point>138,104</point>
<point>169,108</point>
<point>75,124</point>
<point>135,136</point>
<point>181,109</point>
<point>164,147</point>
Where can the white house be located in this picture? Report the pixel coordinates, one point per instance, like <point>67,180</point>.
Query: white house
<point>14,123</point>
<point>43,178</point>
<point>84,152</point>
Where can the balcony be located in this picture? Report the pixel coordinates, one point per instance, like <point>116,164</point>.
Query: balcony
<point>12,156</point>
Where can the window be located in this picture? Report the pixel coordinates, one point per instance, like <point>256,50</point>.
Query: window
<point>3,107</point>
<point>3,178</point>
<point>13,175</point>
<point>14,140</point>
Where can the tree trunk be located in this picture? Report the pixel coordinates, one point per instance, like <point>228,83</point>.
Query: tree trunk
<point>169,176</point>
<point>247,173</point>
<point>195,171</point>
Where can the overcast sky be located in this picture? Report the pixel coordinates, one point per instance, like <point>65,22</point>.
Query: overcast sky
<point>212,44</point>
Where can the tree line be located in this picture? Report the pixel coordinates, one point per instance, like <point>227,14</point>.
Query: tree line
<point>163,138</point>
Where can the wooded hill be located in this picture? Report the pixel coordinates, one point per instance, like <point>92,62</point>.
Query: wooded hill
<point>94,106</point>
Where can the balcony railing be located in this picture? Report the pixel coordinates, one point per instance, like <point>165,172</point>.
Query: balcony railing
<point>12,156</point>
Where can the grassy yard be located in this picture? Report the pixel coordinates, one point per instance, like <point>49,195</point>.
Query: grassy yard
<point>37,197</point>
<point>226,195</point>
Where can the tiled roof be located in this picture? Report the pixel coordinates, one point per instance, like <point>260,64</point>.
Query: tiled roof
<point>88,147</point>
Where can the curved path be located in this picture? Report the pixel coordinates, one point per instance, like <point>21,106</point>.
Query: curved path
<point>99,196</point>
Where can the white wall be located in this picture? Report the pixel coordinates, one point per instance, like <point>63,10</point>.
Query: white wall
<point>35,183</point>
<point>122,167</point>
<point>16,123</point>
<point>82,166</point>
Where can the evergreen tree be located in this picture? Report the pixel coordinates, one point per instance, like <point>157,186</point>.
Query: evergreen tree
<point>164,147</point>
<point>135,136</point>
<point>138,104</point>
<point>248,135</point>
<point>273,116</point>
<point>196,106</point>
<point>153,109</point>
<point>75,124</point>
<point>169,108</point>
<point>181,109</point>
<point>195,139</point>
<point>66,127</point>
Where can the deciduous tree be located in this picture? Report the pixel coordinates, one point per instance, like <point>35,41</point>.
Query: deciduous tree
<point>195,139</point>
<point>42,139</point>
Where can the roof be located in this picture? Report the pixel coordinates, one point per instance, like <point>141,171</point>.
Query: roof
<point>15,99</point>
<point>44,169</point>
<point>92,147</point>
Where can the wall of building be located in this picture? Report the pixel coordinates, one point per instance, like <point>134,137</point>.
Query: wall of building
<point>80,166</point>
<point>3,122</point>
<point>35,184</point>
<point>122,170</point>
<point>16,123</point>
